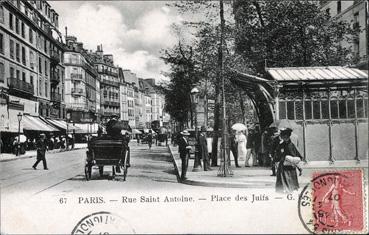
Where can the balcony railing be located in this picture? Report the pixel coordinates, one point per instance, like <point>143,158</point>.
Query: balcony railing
<point>55,97</point>
<point>76,76</point>
<point>20,86</point>
<point>116,84</point>
<point>77,106</point>
<point>110,103</point>
<point>77,91</point>
<point>107,72</point>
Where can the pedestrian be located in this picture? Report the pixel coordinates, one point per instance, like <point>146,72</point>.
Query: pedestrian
<point>41,150</point>
<point>51,143</point>
<point>1,145</point>
<point>149,139</point>
<point>15,145</point>
<point>203,143</point>
<point>287,152</point>
<point>250,148</point>
<point>99,131</point>
<point>276,139</point>
<point>233,148</point>
<point>241,145</point>
<point>257,147</point>
<point>73,140</point>
<point>184,152</point>
<point>138,139</point>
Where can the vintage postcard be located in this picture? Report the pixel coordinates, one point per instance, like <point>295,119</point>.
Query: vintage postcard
<point>184,117</point>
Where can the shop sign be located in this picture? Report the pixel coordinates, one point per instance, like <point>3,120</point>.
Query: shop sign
<point>16,105</point>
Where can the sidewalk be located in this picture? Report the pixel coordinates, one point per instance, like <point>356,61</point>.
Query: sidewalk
<point>5,157</point>
<point>249,177</point>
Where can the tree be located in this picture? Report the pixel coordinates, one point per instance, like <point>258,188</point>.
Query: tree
<point>289,33</point>
<point>183,76</point>
<point>213,50</point>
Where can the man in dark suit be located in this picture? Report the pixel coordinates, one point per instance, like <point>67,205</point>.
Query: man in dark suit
<point>183,149</point>
<point>41,149</point>
<point>203,143</point>
<point>149,139</point>
<point>233,148</point>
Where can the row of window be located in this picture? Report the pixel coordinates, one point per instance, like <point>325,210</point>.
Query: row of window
<point>20,28</point>
<point>319,109</point>
<point>112,95</point>
<point>21,75</point>
<point>102,68</point>
<point>18,53</point>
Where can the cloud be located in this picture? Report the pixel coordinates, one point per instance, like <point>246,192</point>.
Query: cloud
<point>143,63</point>
<point>134,42</point>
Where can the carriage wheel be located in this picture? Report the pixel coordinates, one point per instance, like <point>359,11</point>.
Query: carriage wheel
<point>101,171</point>
<point>125,168</point>
<point>88,170</point>
<point>113,170</point>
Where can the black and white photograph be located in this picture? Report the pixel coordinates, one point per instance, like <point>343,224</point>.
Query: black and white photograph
<point>184,117</point>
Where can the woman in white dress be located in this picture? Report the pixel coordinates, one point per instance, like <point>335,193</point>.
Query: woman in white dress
<point>241,145</point>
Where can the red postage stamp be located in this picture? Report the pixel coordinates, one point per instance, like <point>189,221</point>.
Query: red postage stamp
<point>338,201</point>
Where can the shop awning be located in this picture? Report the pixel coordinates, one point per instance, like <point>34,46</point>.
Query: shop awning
<point>61,124</point>
<point>34,123</point>
<point>86,128</point>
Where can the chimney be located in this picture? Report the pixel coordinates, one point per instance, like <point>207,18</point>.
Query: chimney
<point>99,51</point>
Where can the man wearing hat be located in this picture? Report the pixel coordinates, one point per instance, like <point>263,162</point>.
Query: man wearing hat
<point>183,149</point>
<point>204,149</point>
<point>41,149</point>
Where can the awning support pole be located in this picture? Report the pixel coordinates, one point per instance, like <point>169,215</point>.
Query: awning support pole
<point>356,129</point>
<point>330,127</point>
<point>304,124</point>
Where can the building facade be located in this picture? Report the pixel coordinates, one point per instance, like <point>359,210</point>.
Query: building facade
<point>81,88</point>
<point>31,62</point>
<point>109,83</point>
<point>356,13</point>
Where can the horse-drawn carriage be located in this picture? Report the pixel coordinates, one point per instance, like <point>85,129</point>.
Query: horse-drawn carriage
<point>108,150</point>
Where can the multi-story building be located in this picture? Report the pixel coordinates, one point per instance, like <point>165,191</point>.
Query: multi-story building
<point>109,83</point>
<point>356,13</point>
<point>131,81</point>
<point>81,88</point>
<point>123,92</point>
<point>145,104</point>
<point>31,62</point>
<point>157,102</point>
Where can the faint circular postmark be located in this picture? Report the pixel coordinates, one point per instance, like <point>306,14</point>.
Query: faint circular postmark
<point>103,223</point>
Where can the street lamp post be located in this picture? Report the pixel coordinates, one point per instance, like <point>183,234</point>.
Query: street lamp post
<point>66,134</point>
<point>224,170</point>
<point>19,116</point>
<point>194,98</point>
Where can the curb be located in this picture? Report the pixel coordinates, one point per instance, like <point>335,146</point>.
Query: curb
<point>228,185</point>
<point>214,183</point>
<point>32,156</point>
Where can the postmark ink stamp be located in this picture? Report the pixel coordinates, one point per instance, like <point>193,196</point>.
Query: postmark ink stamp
<point>333,202</point>
<point>103,223</point>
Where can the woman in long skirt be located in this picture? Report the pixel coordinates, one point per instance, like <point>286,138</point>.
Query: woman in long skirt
<point>287,180</point>
<point>241,145</point>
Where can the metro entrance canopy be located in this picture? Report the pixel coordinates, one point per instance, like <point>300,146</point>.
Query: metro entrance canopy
<point>330,104</point>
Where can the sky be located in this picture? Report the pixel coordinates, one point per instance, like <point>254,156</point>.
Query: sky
<point>133,31</point>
